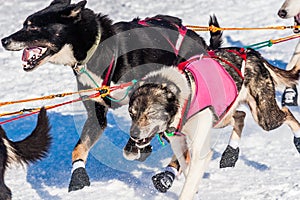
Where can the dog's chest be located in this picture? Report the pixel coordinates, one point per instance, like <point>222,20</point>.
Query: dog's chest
<point>214,87</point>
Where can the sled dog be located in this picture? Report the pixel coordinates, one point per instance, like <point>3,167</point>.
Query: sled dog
<point>101,53</point>
<point>184,102</point>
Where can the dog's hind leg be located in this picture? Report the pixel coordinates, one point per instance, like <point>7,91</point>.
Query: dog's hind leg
<point>269,116</point>
<point>231,153</point>
<point>92,130</point>
<point>197,131</point>
<point>293,123</point>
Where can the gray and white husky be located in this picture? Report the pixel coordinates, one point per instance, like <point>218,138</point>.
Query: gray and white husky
<point>162,101</point>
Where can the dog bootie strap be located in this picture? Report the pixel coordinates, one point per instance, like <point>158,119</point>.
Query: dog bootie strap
<point>229,157</point>
<point>163,181</point>
<point>290,96</point>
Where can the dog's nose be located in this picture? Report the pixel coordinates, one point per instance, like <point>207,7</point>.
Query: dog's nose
<point>282,13</point>
<point>134,132</point>
<point>5,41</point>
<point>134,136</point>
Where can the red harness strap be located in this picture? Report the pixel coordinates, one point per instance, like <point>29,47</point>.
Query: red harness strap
<point>109,72</point>
<point>240,53</point>
<point>182,32</point>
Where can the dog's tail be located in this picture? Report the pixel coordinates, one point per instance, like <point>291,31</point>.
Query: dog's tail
<point>281,77</point>
<point>215,41</point>
<point>34,147</point>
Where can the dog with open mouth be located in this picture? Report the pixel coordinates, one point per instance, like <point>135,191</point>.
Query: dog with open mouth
<point>184,102</point>
<point>101,52</point>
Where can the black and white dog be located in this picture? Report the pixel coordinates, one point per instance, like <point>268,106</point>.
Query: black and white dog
<point>32,148</point>
<point>101,53</point>
<point>289,9</point>
<point>183,103</point>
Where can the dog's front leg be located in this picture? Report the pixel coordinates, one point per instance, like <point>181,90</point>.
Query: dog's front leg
<point>231,153</point>
<point>92,130</point>
<point>179,147</point>
<point>197,130</point>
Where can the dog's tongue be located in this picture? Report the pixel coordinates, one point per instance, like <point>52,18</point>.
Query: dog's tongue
<point>297,23</point>
<point>32,52</point>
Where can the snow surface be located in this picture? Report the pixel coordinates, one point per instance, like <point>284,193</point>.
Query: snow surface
<point>268,167</point>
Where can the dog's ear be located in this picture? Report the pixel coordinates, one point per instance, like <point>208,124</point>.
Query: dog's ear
<point>74,10</point>
<point>60,2</point>
<point>174,90</point>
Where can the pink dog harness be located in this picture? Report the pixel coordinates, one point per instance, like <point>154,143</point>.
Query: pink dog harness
<point>214,87</point>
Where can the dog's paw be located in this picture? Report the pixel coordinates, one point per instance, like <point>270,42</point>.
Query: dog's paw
<point>163,181</point>
<point>297,143</point>
<point>229,157</point>
<point>290,97</point>
<point>79,179</point>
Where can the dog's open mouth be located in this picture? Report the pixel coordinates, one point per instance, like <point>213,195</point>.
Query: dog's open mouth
<point>32,57</point>
<point>297,23</point>
<point>142,143</point>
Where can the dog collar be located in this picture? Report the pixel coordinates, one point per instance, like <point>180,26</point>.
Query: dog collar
<point>92,50</point>
<point>78,67</point>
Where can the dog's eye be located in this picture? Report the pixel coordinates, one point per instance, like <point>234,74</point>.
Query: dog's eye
<point>132,112</point>
<point>32,28</point>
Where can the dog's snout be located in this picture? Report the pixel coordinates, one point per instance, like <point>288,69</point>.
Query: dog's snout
<point>5,41</point>
<point>134,135</point>
<point>282,13</point>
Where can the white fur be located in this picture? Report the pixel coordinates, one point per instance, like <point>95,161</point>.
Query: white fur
<point>197,130</point>
<point>64,57</point>
<point>178,78</point>
<point>292,7</point>
<point>175,75</point>
<point>85,80</point>
<point>234,143</point>
<point>12,157</point>
<point>295,60</point>
<point>15,46</point>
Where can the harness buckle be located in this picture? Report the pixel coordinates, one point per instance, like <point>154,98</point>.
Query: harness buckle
<point>104,91</point>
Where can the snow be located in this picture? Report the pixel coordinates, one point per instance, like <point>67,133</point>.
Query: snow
<point>268,167</point>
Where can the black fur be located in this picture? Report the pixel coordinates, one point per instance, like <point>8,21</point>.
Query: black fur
<point>32,148</point>
<point>215,37</point>
<point>5,193</point>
